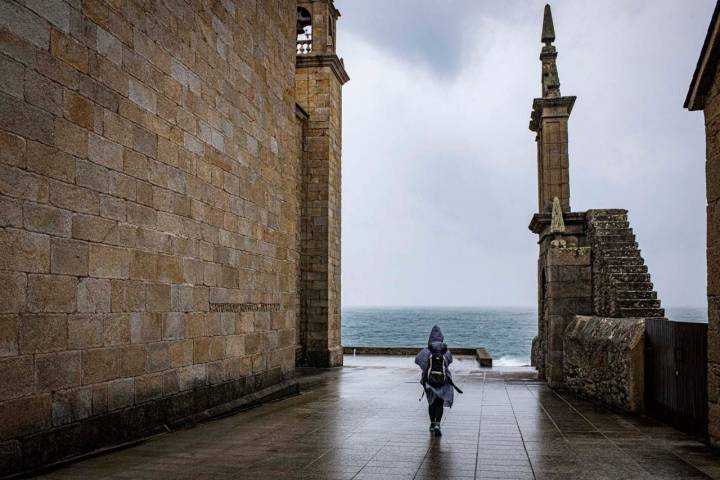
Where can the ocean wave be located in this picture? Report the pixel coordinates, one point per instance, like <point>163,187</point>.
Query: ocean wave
<point>511,361</point>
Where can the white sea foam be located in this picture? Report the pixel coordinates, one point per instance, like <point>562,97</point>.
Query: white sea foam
<point>511,361</point>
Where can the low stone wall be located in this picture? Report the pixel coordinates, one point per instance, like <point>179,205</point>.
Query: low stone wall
<point>481,354</point>
<point>604,360</point>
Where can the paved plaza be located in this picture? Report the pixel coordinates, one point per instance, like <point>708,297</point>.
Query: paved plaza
<point>365,422</point>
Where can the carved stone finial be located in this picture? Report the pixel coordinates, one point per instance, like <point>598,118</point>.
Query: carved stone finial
<point>548,54</point>
<point>557,225</point>
<point>548,30</point>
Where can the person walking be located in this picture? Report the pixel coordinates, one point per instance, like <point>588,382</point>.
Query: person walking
<point>436,378</point>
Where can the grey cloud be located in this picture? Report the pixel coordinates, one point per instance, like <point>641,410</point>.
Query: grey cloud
<point>431,33</point>
<point>439,166</point>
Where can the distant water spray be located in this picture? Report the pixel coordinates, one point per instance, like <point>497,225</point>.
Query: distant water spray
<point>511,361</point>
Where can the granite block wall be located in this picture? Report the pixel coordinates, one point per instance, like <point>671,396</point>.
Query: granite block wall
<point>567,292</point>
<point>712,170</point>
<point>150,189</point>
<point>319,92</point>
<point>319,77</point>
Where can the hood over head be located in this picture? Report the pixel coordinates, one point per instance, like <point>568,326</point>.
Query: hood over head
<point>436,335</point>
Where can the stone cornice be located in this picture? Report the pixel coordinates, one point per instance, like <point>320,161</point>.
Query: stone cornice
<point>327,60</point>
<point>539,104</point>
<point>541,221</point>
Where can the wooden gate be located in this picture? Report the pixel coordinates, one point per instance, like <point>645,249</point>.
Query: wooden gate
<point>676,373</point>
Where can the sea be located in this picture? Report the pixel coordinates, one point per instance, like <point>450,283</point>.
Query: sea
<point>505,332</point>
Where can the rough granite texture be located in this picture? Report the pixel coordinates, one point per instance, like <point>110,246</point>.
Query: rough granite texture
<point>712,170</point>
<point>604,360</point>
<point>153,186</point>
<point>704,94</point>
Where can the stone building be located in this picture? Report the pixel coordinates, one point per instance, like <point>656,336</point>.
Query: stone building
<point>704,94</point>
<point>594,287</point>
<point>169,214</point>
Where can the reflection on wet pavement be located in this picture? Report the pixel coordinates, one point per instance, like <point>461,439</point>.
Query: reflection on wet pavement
<point>365,422</point>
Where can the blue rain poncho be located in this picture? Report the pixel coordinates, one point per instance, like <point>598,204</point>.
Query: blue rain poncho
<point>445,391</point>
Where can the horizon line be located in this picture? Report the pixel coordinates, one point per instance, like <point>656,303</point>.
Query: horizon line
<point>487,306</point>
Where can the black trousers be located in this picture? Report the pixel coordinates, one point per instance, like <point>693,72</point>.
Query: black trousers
<point>435,409</point>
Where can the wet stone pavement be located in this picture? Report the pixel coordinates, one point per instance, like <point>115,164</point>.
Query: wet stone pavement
<point>365,422</point>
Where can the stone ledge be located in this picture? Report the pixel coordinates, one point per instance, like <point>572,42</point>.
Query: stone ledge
<point>540,222</point>
<point>563,104</point>
<point>52,448</point>
<point>483,357</point>
<point>324,60</point>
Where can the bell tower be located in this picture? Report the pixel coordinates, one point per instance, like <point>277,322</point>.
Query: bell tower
<point>319,77</point>
<point>549,120</point>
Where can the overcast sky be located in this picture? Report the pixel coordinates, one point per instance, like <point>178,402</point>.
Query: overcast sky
<point>439,167</point>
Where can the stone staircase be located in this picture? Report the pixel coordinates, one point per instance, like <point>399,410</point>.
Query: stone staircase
<point>621,282</point>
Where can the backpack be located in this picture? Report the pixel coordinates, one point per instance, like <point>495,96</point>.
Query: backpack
<point>436,374</point>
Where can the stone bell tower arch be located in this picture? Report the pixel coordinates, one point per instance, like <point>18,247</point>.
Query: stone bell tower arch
<point>319,77</point>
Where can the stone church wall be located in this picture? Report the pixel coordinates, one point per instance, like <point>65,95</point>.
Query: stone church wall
<point>712,128</point>
<point>318,91</point>
<point>149,208</point>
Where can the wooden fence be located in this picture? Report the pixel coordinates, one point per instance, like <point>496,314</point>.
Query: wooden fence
<point>676,374</point>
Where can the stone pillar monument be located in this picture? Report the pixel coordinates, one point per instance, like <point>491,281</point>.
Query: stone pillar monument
<point>550,121</point>
<point>564,283</point>
<point>319,77</point>
<point>589,262</point>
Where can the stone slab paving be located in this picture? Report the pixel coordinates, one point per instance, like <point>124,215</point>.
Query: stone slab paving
<point>365,422</point>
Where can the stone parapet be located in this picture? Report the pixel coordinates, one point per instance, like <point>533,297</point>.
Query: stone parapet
<point>604,360</point>
<point>481,354</point>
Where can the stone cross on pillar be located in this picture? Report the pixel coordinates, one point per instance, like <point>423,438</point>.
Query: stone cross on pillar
<point>549,119</point>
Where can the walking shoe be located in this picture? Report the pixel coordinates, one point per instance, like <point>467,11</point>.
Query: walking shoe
<point>438,433</point>
<point>432,427</point>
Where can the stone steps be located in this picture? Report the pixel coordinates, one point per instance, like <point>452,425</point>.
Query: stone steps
<point>642,312</point>
<point>630,277</point>
<point>636,294</point>
<point>634,286</point>
<point>623,268</point>
<point>614,232</point>
<point>613,244</point>
<point>622,279</point>
<point>637,303</point>
<point>616,240</point>
<point>610,225</point>
<point>613,261</point>
<point>594,217</point>
<point>616,254</point>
